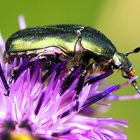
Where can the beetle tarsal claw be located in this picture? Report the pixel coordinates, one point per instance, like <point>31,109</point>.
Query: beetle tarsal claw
<point>134,83</point>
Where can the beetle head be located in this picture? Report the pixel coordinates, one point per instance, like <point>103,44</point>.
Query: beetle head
<point>136,50</point>
<point>121,61</point>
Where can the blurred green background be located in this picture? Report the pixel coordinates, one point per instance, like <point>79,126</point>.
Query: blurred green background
<point>119,20</point>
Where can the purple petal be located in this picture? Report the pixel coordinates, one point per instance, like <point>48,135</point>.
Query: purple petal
<point>22,23</point>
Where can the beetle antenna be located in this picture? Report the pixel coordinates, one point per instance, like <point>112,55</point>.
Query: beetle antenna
<point>134,83</point>
<point>134,51</point>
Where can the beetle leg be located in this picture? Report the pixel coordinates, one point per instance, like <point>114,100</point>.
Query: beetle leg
<point>75,71</point>
<point>82,82</point>
<point>134,84</point>
<point>58,67</point>
<point>79,87</point>
<point>125,76</point>
<point>4,81</point>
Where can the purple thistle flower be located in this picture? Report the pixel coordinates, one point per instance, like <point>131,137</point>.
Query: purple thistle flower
<point>36,107</point>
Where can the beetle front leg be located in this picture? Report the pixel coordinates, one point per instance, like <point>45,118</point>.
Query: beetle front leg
<point>134,83</point>
<point>125,76</point>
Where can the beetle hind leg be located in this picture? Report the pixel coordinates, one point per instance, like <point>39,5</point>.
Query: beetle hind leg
<point>4,81</point>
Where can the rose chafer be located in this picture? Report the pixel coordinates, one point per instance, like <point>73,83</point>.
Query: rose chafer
<point>83,47</point>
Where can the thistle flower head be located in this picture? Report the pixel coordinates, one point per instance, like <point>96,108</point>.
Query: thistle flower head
<point>36,106</point>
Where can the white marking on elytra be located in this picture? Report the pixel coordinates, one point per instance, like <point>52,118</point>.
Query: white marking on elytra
<point>44,51</point>
<point>30,52</point>
<point>49,51</point>
<point>21,53</point>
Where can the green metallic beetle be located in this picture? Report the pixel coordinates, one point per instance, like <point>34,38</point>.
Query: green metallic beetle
<point>81,45</point>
